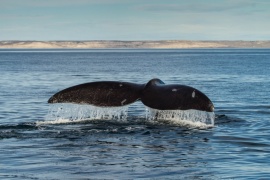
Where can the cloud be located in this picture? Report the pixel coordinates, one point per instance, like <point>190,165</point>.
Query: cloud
<point>53,3</point>
<point>200,7</point>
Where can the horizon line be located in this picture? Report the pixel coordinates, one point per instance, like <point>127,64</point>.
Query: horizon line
<point>128,40</point>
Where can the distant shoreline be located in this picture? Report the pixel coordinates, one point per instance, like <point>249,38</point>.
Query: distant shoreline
<point>162,44</point>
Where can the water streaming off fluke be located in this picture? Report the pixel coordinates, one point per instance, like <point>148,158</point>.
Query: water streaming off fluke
<point>70,113</point>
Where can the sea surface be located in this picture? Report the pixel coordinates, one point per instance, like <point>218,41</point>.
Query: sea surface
<point>67,141</point>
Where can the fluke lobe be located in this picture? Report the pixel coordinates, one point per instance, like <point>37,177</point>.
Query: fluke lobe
<point>154,94</point>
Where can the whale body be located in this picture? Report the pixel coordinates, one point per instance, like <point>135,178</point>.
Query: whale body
<point>154,94</point>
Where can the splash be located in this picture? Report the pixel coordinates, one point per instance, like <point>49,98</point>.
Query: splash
<point>180,117</point>
<point>69,113</point>
<point>74,113</point>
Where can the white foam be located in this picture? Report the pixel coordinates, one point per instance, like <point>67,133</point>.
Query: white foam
<point>56,121</point>
<point>191,117</point>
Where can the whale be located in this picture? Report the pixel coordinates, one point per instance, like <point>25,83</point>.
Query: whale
<point>154,94</point>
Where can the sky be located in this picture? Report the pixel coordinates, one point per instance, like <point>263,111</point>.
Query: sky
<point>134,20</point>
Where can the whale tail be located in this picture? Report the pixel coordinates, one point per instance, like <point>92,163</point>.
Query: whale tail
<point>155,94</point>
<point>103,94</point>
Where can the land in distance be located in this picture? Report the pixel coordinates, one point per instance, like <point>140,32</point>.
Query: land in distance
<point>166,44</point>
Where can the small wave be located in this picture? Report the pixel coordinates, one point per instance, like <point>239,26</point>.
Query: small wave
<point>21,126</point>
<point>16,130</point>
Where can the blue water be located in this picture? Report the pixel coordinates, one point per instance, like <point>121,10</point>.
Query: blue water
<point>36,145</point>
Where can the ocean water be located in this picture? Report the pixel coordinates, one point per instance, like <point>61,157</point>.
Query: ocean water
<point>66,141</point>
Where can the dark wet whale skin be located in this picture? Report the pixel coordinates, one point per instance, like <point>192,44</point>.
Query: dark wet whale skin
<point>174,96</point>
<point>155,94</point>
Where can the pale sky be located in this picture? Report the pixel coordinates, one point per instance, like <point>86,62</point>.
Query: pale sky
<point>134,19</point>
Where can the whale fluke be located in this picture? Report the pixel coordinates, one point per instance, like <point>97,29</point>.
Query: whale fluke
<point>103,93</point>
<point>155,94</point>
